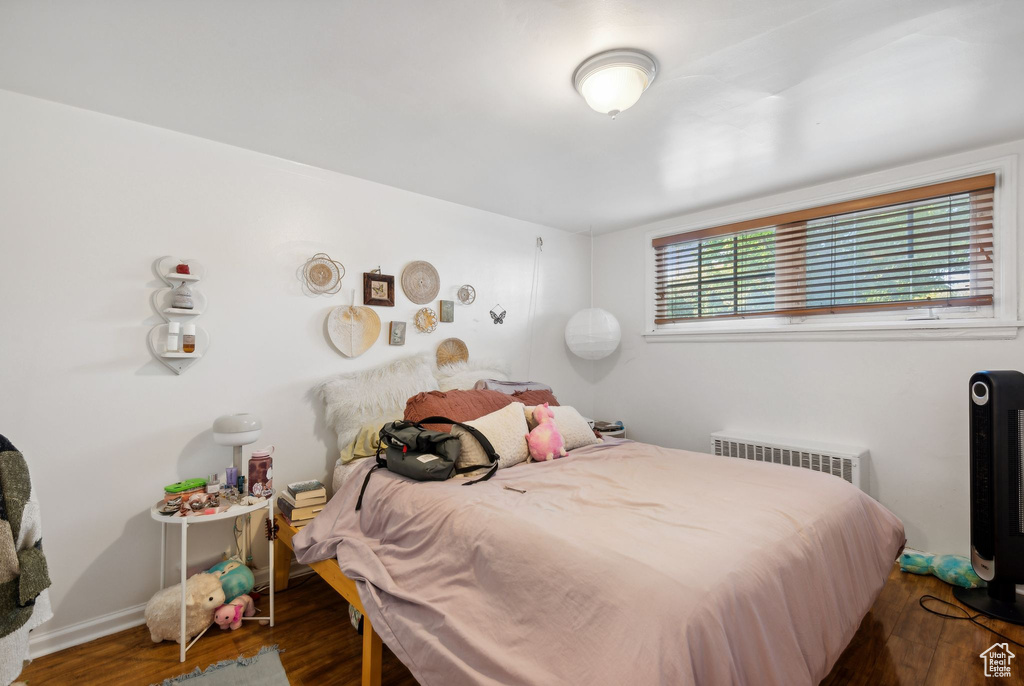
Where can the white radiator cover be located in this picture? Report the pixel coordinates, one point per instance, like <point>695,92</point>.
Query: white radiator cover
<point>846,462</point>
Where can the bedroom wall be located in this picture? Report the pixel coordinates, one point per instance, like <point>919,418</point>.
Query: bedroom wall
<point>904,400</point>
<point>89,201</point>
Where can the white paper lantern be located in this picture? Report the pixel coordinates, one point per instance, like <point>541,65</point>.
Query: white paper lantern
<point>593,333</point>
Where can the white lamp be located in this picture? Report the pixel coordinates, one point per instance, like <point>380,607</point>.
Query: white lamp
<point>236,430</point>
<point>613,81</point>
<point>593,333</point>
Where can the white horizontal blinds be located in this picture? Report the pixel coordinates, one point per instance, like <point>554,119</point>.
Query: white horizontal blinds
<point>900,250</point>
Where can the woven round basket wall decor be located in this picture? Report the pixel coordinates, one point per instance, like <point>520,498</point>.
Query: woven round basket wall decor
<point>425,320</point>
<point>467,294</point>
<point>353,330</point>
<point>323,275</point>
<point>450,351</point>
<point>420,282</point>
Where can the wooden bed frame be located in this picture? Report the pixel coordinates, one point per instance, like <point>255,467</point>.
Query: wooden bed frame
<point>331,573</point>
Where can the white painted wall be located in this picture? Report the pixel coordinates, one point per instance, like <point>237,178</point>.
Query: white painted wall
<point>904,400</point>
<point>89,201</point>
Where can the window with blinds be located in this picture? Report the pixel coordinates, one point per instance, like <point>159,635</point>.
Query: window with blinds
<point>925,247</point>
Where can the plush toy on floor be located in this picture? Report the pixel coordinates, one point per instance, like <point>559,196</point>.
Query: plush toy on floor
<point>234,576</point>
<point>229,615</point>
<point>953,569</point>
<point>545,442</point>
<point>203,594</point>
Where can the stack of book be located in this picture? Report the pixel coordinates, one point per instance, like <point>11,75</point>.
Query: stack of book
<point>301,501</point>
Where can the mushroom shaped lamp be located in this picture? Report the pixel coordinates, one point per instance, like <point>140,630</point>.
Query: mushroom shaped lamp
<point>236,430</point>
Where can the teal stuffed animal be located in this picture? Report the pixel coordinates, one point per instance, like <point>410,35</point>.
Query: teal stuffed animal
<point>953,569</point>
<point>235,578</point>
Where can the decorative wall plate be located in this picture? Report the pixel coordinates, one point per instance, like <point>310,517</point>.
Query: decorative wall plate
<point>467,294</point>
<point>425,320</point>
<point>353,329</point>
<point>450,351</point>
<point>420,282</point>
<point>322,275</point>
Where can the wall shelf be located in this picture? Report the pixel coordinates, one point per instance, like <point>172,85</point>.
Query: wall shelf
<point>177,361</point>
<point>162,301</point>
<point>174,276</point>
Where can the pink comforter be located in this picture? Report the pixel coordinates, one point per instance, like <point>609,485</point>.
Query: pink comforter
<point>623,563</point>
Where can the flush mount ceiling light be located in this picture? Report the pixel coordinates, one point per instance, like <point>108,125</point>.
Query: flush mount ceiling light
<point>614,80</point>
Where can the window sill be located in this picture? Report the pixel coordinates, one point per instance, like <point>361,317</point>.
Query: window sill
<point>949,329</point>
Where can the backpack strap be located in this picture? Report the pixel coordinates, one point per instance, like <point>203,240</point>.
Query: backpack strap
<point>484,443</point>
<point>381,462</point>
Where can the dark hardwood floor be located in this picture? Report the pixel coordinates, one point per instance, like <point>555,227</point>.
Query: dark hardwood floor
<point>897,643</point>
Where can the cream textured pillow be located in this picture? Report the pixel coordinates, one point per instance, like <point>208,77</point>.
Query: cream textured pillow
<point>571,424</point>
<point>504,428</point>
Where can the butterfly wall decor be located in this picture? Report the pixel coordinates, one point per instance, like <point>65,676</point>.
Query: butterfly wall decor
<point>498,314</point>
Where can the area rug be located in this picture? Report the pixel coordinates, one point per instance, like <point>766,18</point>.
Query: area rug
<point>262,669</point>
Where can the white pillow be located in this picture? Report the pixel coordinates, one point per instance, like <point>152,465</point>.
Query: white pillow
<point>504,428</point>
<point>462,376</point>
<point>355,399</point>
<point>571,424</point>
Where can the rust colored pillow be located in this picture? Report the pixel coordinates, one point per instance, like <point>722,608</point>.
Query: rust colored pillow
<point>459,406</point>
<point>531,398</point>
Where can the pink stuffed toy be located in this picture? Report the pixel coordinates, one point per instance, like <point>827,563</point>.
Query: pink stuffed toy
<point>229,616</point>
<point>545,441</point>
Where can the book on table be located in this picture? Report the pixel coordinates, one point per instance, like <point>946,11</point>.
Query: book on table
<point>306,490</point>
<point>287,497</point>
<point>294,513</point>
<point>297,524</point>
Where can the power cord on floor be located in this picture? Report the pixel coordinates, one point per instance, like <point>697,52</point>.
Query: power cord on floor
<point>973,619</point>
<point>300,580</point>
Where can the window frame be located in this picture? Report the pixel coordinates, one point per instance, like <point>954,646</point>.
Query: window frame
<point>998,321</point>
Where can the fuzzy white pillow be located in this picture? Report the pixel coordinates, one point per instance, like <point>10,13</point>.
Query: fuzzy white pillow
<point>462,376</point>
<point>574,428</point>
<point>504,428</point>
<point>355,399</point>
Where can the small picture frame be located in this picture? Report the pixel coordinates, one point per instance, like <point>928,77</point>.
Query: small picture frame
<point>448,311</point>
<point>378,289</point>
<point>396,333</point>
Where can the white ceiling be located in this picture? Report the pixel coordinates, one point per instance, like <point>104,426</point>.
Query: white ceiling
<point>471,101</point>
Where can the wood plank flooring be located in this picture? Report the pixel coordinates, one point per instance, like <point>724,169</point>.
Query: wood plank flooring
<point>898,643</point>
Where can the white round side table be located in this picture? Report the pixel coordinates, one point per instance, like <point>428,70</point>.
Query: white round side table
<point>184,523</point>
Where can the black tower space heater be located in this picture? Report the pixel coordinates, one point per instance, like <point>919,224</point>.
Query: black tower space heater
<point>997,494</point>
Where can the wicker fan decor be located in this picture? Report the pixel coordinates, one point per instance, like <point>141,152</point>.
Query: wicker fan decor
<point>425,320</point>
<point>450,351</point>
<point>420,282</point>
<point>322,275</point>
<point>353,330</point>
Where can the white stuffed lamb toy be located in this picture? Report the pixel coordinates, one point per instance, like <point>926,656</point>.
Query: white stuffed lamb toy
<point>203,595</point>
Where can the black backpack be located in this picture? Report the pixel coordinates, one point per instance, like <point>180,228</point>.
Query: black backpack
<point>420,454</point>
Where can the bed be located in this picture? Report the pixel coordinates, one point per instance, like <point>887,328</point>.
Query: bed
<point>620,563</point>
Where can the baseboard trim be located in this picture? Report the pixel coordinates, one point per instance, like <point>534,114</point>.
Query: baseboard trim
<point>42,643</point>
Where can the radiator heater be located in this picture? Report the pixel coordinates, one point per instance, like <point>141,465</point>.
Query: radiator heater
<point>848,463</point>
<point>997,493</point>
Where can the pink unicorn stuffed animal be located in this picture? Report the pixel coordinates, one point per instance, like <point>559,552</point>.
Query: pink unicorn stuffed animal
<point>229,615</point>
<point>545,442</point>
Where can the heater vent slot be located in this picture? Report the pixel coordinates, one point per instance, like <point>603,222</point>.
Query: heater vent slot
<point>848,463</point>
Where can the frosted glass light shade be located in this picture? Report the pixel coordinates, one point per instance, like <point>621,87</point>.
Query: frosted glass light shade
<point>613,81</point>
<point>593,333</point>
<point>613,89</point>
